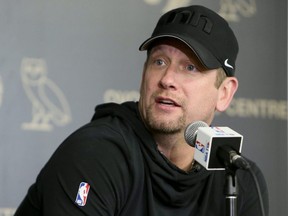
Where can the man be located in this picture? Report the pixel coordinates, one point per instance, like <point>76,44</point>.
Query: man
<point>132,159</point>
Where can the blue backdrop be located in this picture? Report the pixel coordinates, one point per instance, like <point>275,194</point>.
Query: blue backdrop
<point>59,58</point>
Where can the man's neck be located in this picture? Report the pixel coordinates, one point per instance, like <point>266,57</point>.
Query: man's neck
<point>176,150</point>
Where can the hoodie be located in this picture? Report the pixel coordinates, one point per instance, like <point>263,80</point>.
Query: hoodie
<point>123,173</point>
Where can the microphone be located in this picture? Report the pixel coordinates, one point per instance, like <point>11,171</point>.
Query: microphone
<point>216,148</point>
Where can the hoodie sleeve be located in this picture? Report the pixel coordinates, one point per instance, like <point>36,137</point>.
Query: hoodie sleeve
<point>87,175</point>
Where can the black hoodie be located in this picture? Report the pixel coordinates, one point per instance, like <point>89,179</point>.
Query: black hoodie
<point>117,160</point>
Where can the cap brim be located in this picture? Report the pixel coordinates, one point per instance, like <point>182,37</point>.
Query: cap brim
<point>204,55</point>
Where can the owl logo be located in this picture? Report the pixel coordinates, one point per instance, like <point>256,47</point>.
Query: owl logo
<point>230,9</point>
<point>49,105</point>
<point>170,4</point>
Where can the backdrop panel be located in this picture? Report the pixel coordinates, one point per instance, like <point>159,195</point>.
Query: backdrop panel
<point>60,58</point>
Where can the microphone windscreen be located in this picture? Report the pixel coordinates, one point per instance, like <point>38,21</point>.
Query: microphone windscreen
<point>191,132</point>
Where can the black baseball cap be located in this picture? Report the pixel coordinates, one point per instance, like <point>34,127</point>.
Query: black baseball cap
<point>204,31</point>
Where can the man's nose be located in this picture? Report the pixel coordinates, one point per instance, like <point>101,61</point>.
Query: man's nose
<point>168,79</point>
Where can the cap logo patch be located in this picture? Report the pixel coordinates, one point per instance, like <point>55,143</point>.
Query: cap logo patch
<point>82,194</point>
<point>195,19</point>
<point>227,64</point>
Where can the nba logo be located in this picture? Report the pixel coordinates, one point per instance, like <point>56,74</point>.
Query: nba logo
<point>82,194</point>
<point>199,146</point>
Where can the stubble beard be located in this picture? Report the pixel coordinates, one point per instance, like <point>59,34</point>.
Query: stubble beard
<point>164,126</point>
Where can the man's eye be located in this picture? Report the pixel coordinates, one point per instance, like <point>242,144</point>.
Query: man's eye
<point>191,68</point>
<point>159,62</point>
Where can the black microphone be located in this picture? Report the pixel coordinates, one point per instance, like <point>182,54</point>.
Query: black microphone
<point>215,147</point>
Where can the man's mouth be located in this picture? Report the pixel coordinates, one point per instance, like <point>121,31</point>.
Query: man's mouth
<point>167,101</point>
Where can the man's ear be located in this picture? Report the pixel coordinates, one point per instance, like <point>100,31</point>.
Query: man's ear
<point>226,93</point>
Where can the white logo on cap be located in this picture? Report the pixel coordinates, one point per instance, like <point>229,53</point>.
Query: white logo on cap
<point>227,64</point>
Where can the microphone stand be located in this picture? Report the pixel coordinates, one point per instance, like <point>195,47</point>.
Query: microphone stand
<point>232,161</point>
<point>231,190</point>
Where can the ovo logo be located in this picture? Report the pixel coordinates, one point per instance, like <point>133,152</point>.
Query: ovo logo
<point>49,105</point>
<point>170,4</point>
<point>231,10</point>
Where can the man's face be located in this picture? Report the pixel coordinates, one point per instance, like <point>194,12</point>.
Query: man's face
<point>176,90</point>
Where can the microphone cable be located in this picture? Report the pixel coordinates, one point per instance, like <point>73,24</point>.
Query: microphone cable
<point>260,198</point>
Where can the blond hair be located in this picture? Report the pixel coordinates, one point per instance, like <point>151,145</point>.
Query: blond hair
<point>221,76</point>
